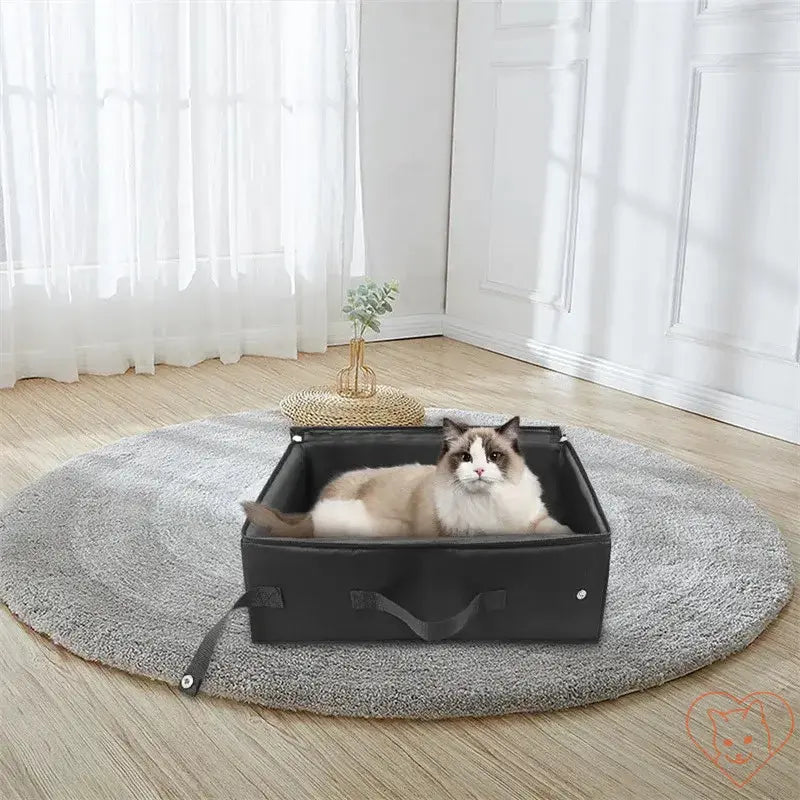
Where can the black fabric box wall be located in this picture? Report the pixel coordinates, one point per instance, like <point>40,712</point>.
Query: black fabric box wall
<point>524,587</point>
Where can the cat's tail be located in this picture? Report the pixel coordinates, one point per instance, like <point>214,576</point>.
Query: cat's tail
<point>278,523</point>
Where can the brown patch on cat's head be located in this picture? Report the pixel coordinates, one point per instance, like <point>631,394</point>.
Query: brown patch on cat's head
<point>500,447</point>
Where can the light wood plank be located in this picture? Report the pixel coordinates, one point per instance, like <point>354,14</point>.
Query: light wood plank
<point>71,729</point>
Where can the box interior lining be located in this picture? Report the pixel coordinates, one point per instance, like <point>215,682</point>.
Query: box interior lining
<point>309,465</point>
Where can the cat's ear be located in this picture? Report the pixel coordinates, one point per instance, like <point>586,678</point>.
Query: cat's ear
<point>757,707</point>
<point>716,716</point>
<point>510,430</point>
<point>452,430</point>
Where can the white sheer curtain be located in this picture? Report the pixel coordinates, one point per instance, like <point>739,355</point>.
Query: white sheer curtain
<point>174,180</point>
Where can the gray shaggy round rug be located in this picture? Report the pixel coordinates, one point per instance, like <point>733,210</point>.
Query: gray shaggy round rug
<point>129,554</point>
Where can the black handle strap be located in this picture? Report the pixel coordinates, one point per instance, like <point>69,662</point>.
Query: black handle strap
<point>258,597</point>
<point>433,630</point>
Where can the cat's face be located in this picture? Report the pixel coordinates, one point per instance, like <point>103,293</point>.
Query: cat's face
<point>478,459</point>
<point>739,733</point>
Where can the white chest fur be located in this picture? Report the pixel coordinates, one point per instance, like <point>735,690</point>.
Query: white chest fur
<point>505,508</point>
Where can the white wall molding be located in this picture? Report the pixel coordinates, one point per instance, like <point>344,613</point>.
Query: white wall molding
<point>411,326</point>
<point>782,423</point>
<point>583,19</point>
<point>677,328</point>
<point>563,301</point>
<point>766,10</point>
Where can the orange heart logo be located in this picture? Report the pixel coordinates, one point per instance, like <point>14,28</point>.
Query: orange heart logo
<point>739,736</point>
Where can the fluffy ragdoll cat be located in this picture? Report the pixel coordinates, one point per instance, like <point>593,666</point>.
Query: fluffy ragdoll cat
<point>481,484</point>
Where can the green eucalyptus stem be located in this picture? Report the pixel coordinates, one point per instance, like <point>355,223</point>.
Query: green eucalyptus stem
<point>366,303</point>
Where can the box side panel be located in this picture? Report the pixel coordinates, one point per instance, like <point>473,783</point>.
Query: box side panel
<point>589,516</point>
<point>426,433</point>
<point>553,593</point>
<point>331,457</point>
<point>286,489</point>
<point>330,454</point>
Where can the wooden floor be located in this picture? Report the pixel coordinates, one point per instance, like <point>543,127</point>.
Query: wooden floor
<point>70,729</point>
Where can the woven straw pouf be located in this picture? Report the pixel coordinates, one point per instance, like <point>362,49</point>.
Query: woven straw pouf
<point>322,406</point>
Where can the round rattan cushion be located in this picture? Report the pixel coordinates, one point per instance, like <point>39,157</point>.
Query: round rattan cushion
<point>321,405</point>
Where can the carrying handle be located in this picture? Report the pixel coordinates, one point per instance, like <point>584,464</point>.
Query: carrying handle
<point>431,630</point>
<point>258,597</point>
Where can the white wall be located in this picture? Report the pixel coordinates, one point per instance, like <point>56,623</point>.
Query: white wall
<point>625,198</point>
<point>605,317</point>
<point>406,104</point>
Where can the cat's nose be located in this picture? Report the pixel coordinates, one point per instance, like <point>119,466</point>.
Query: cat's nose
<point>480,471</point>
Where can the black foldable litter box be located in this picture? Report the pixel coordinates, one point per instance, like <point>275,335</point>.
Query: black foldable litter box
<point>504,588</point>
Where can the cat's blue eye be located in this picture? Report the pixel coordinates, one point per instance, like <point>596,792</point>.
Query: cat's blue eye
<point>466,457</point>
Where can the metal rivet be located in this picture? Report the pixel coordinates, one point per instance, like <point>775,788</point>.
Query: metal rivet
<point>581,594</point>
<point>187,681</point>
<point>563,438</point>
<point>297,438</point>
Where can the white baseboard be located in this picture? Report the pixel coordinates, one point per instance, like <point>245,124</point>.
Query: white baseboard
<point>408,327</point>
<point>777,421</point>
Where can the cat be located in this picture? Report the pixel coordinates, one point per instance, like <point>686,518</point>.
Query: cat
<point>741,738</point>
<point>480,485</point>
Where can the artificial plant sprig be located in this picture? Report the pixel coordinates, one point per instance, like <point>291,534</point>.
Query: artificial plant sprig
<point>366,303</point>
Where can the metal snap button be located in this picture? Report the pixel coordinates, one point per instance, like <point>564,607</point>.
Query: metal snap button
<point>297,438</point>
<point>187,681</point>
<point>581,594</point>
